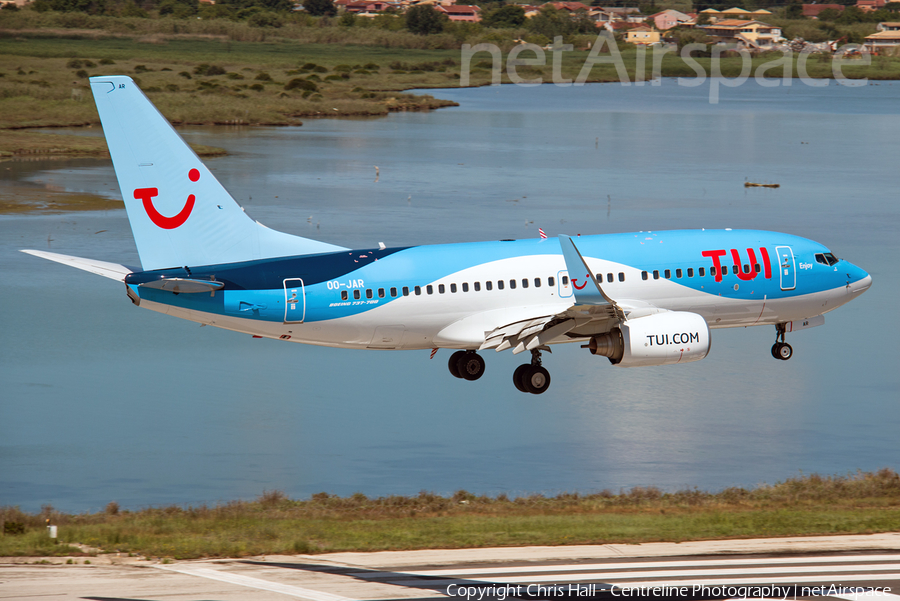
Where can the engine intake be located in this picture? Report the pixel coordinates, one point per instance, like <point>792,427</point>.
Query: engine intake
<point>659,339</point>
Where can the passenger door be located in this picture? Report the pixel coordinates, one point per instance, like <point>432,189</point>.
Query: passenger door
<point>786,267</point>
<point>294,301</point>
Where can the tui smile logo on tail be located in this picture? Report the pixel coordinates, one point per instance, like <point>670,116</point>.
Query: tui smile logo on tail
<point>169,223</point>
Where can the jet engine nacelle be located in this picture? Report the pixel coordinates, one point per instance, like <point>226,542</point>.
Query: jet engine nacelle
<point>660,339</point>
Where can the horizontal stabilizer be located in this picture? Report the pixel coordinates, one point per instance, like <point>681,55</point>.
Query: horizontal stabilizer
<point>183,285</point>
<point>113,271</point>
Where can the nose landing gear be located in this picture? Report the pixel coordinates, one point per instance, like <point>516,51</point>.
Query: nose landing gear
<point>781,349</point>
<point>532,377</point>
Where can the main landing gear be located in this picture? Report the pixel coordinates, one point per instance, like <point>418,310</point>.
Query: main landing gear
<point>467,365</point>
<point>532,377</point>
<point>781,349</point>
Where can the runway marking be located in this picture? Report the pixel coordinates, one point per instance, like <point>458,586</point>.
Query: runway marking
<point>607,573</point>
<point>658,564</point>
<point>867,595</point>
<point>775,580</point>
<point>258,583</point>
<point>672,581</point>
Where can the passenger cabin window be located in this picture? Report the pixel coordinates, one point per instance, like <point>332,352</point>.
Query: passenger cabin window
<point>406,291</point>
<point>656,274</point>
<point>609,277</point>
<point>712,271</point>
<point>537,282</point>
<point>381,293</point>
<point>677,273</point>
<point>621,276</point>
<point>668,274</point>
<point>477,286</point>
<point>489,285</point>
<point>550,281</point>
<point>756,267</point>
<point>344,295</point>
<point>512,284</point>
<point>724,270</point>
<point>418,290</point>
<point>393,292</point>
<point>465,286</point>
<point>702,272</point>
<point>690,272</point>
<point>453,288</point>
<point>429,289</point>
<point>644,275</point>
<point>441,288</point>
<point>524,282</point>
<point>499,284</point>
<point>356,295</point>
<point>368,293</point>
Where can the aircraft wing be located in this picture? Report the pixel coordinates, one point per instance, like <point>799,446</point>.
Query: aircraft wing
<point>594,312</point>
<point>113,271</point>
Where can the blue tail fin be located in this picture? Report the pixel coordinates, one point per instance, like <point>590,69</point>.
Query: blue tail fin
<point>179,213</point>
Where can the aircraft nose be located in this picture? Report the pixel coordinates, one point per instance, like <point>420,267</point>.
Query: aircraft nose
<point>863,284</point>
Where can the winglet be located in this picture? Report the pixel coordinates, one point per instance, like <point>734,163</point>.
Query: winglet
<point>576,265</point>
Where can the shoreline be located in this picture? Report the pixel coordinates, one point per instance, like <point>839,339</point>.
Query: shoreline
<point>806,506</point>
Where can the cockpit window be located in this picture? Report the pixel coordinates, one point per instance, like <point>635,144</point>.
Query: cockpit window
<point>826,258</point>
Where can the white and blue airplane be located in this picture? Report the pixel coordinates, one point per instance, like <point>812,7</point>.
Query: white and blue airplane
<point>639,299</point>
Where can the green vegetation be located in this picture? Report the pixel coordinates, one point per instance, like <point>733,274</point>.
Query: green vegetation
<point>43,80</point>
<point>201,81</point>
<point>18,143</point>
<point>807,505</point>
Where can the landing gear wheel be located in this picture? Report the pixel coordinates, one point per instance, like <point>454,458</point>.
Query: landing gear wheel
<point>453,364</point>
<point>470,366</point>
<point>519,376</point>
<point>784,351</point>
<point>537,379</point>
<point>781,349</point>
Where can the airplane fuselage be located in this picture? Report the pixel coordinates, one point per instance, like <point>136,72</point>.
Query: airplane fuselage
<point>447,295</point>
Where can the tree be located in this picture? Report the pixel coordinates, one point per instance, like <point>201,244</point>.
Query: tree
<point>424,19</point>
<point>850,15</point>
<point>508,16</point>
<point>180,9</point>
<point>318,8</point>
<point>829,14</point>
<point>550,22</point>
<point>794,10</point>
<point>581,22</point>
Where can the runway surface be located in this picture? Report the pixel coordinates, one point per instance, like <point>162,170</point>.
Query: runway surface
<point>706,570</point>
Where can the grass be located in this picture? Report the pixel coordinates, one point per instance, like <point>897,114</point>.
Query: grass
<point>18,143</point>
<point>275,524</point>
<point>43,76</point>
<point>40,87</point>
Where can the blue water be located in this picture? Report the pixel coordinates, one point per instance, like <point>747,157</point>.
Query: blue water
<point>102,401</point>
